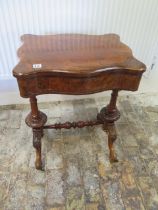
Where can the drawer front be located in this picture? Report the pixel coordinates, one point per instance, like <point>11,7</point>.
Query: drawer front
<point>76,85</point>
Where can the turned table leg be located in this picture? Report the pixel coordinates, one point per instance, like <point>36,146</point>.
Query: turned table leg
<point>108,115</point>
<point>36,121</point>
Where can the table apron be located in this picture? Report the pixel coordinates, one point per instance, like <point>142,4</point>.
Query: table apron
<point>37,85</point>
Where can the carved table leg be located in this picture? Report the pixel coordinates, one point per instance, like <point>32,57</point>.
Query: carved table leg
<point>108,115</point>
<point>109,128</point>
<point>36,121</point>
<point>37,135</point>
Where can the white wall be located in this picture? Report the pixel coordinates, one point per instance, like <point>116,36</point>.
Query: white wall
<point>134,20</point>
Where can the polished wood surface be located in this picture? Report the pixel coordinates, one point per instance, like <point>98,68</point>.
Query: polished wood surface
<point>75,55</point>
<point>75,64</point>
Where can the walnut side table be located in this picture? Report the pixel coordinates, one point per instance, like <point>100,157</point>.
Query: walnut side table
<point>75,64</point>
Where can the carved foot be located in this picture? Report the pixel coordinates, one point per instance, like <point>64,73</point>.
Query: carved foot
<point>37,135</point>
<point>110,129</point>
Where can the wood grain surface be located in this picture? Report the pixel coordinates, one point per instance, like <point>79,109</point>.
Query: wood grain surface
<point>76,64</point>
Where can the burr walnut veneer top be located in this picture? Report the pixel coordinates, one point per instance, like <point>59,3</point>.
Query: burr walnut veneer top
<point>74,55</point>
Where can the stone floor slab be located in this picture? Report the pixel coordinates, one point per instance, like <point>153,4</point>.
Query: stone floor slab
<point>78,174</point>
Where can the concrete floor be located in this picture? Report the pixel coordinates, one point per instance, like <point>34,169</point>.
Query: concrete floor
<point>78,175</point>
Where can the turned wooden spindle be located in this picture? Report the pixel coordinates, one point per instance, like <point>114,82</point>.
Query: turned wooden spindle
<point>112,105</point>
<point>34,108</point>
